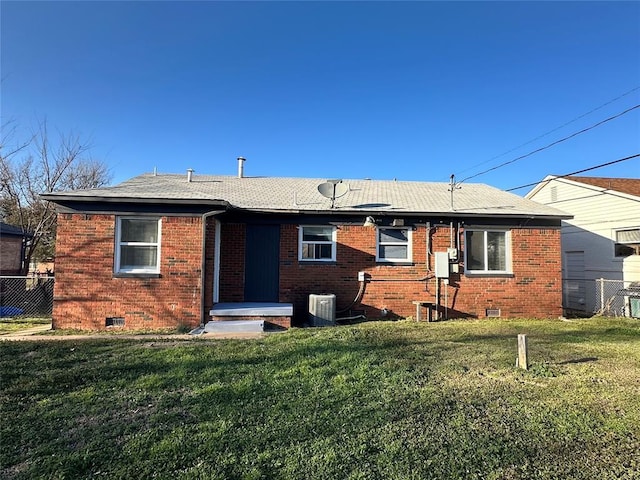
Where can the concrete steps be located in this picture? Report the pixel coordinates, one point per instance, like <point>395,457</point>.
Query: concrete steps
<point>234,326</point>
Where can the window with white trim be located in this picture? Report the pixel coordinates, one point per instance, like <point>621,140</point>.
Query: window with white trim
<point>627,242</point>
<point>487,251</point>
<point>393,245</point>
<point>317,243</point>
<point>137,245</point>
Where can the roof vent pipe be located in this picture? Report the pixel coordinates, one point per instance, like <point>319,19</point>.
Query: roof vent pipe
<point>190,174</point>
<point>241,161</point>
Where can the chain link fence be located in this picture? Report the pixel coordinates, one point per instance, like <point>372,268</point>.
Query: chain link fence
<point>617,298</point>
<point>26,296</point>
<point>33,297</point>
<point>609,298</point>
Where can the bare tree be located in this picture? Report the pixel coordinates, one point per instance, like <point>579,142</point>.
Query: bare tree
<point>42,165</point>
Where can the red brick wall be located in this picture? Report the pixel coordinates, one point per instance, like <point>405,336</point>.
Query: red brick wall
<point>534,289</point>
<point>86,290</point>
<point>232,243</point>
<point>391,288</point>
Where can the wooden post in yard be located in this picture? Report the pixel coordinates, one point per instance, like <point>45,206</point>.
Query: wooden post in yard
<point>522,351</point>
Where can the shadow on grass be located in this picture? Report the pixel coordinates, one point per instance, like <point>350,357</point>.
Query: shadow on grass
<point>318,403</point>
<point>421,349</point>
<point>579,360</point>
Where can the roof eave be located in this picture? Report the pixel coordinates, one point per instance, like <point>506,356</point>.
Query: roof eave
<point>404,213</point>
<point>55,198</point>
<point>540,185</point>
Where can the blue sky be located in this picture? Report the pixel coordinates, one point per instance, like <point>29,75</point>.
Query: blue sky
<point>382,90</point>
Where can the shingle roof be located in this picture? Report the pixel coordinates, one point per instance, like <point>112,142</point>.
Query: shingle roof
<point>6,229</point>
<point>630,186</point>
<point>279,194</point>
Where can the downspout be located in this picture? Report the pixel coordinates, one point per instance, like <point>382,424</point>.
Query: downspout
<point>427,260</point>
<point>24,269</point>
<point>205,216</point>
<point>452,243</point>
<point>437,298</point>
<point>427,257</point>
<point>450,234</point>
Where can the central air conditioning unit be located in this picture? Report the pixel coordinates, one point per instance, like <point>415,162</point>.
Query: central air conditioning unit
<point>322,310</point>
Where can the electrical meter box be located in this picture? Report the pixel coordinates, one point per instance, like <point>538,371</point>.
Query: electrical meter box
<point>442,264</point>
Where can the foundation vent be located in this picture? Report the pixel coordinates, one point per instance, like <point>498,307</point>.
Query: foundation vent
<point>114,322</point>
<point>492,312</point>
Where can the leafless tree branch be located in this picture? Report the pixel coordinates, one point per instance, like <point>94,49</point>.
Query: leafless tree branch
<point>43,164</point>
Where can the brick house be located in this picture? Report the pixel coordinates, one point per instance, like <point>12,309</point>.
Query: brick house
<point>12,244</point>
<point>165,250</point>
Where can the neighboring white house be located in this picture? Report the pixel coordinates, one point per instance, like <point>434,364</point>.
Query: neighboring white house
<point>602,241</point>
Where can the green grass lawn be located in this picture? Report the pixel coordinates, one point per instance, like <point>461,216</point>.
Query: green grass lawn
<point>383,400</point>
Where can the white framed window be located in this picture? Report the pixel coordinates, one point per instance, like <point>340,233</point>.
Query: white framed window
<point>393,245</point>
<point>317,243</point>
<point>137,245</point>
<point>627,242</point>
<point>487,251</point>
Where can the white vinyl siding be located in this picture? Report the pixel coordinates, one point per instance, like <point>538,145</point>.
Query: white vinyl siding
<point>137,245</point>
<point>597,217</point>
<point>574,290</point>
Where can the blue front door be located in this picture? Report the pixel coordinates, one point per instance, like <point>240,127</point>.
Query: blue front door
<point>261,270</point>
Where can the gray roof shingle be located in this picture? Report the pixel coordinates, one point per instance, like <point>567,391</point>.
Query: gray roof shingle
<point>278,194</point>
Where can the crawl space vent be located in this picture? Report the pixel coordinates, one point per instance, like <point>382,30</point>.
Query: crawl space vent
<point>493,312</point>
<point>114,322</point>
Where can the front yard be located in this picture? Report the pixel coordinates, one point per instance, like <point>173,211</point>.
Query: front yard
<point>380,400</point>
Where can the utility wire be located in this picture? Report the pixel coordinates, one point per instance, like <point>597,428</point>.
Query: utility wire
<point>553,130</point>
<point>551,144</point>
<point>555,177</point>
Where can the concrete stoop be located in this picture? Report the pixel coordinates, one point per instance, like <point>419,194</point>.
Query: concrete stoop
<point>234,326</point>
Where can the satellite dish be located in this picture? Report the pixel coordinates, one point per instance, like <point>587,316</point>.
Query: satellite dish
<point>333,189</point>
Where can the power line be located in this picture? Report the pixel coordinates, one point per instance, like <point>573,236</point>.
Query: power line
<point>553,130</point>
<point>551,144</point>
<point>555,177</point>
